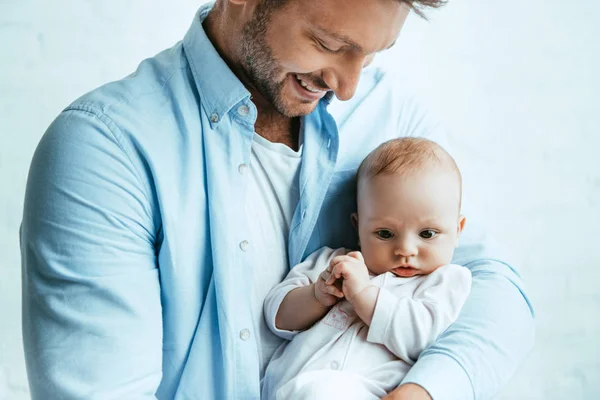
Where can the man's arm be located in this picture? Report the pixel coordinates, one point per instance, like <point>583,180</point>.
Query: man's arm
<point>92,324</point>
<point>481,351</point>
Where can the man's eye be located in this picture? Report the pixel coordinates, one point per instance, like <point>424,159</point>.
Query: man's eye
<point>384,234</point>
<point>328,49</point>
<point>427,234</point>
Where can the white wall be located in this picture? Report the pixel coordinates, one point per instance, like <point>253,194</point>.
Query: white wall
<point>513,81</point>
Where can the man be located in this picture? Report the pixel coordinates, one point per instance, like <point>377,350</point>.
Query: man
<point>160,209</point>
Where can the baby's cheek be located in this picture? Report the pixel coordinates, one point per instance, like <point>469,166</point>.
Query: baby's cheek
<point>377,265</point>
<point>443,254</point>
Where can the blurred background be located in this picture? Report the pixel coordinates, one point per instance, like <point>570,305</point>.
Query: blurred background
<point>515,83</point>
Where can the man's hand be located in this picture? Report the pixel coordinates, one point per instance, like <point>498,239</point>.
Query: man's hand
<point>353,272</point>
<point>409,391</point>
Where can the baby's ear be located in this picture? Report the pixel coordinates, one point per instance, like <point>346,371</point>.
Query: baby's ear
<point>354,219</point>
<point>459,229</point>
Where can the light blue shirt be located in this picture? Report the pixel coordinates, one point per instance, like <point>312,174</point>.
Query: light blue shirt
<point>136,250</point>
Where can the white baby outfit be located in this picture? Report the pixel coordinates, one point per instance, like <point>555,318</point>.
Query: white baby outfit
<point>340,356</point>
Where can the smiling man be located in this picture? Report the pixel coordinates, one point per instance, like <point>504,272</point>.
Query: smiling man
<point>162,208</point>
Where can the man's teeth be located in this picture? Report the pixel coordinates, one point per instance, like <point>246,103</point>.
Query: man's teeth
<point>307,86</point>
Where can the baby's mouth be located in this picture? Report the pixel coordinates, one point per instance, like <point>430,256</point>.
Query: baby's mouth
<point>405,271</point>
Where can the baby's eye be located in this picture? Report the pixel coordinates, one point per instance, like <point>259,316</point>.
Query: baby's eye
<point>427,234</point>
<point>384,234</point>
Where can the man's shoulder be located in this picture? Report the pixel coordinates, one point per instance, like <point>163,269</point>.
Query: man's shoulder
<point>384,107</point>
<point>146,115</point>
<point>142,94</point>
<point>380,92</point>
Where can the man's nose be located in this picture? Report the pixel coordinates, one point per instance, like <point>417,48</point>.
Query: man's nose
<point>343,78</point>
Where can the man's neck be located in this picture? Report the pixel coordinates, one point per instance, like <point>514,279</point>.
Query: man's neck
<point>278,128</point>
<point>270,124</point>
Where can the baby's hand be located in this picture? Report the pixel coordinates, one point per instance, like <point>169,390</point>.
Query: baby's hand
<point>352,270</point>
<point>327,294</point>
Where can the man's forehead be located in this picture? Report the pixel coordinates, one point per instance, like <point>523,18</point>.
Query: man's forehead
<point>366,26</point>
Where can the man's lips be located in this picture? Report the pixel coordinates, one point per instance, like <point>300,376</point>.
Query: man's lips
<point>305,93</point>
<point>312,84</point>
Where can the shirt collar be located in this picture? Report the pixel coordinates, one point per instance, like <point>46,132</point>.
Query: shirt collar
<point>218,86</point>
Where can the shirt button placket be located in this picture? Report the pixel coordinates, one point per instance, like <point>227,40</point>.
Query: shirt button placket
<point>245,334</point>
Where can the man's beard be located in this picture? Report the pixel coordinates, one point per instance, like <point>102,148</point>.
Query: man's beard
<point>259,63</point>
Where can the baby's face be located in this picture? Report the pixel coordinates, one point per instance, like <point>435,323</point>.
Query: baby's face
<point>409,225</point>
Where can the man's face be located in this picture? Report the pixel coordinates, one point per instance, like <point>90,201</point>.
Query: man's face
<point>409,224</point>
<point>294,54</point>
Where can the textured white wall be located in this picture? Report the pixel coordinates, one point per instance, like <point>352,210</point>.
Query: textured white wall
<point>513,81</point>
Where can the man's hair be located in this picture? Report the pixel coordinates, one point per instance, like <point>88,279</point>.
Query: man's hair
<point>405,155</point>
<point>418,6</point>
<point>425,3</point>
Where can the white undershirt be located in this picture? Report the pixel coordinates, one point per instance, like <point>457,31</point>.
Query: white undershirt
<point>272,198</point>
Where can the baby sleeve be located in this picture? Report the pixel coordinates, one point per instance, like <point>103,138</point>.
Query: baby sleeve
<point>302,274</point>
<point>407,325</point>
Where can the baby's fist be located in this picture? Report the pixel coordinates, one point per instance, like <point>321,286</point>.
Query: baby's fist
<point>327,294</point>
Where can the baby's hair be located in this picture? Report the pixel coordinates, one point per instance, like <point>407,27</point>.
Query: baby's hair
<point>405,155</point>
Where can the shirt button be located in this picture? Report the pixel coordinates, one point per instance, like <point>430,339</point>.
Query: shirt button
<point>214,118</point>
<point>244,245</point>
<point>244,334</point>
<point>243,110</point>
<point>335,365</point>
<point>242,168</point>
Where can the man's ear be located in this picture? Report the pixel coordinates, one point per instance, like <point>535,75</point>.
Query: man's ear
<point>459,229</point>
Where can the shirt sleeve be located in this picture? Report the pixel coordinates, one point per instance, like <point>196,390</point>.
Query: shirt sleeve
<point>92,323</point>
<point>407,325</point>
<point>478,354</point>
<point>303,274</point>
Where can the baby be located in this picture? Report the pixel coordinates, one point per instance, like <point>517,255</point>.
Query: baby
<point>357,320</point>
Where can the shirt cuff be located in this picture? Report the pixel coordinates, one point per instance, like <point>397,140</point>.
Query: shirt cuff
<point>442,377</point>
<point>384,309</point>
<point>271,307</point>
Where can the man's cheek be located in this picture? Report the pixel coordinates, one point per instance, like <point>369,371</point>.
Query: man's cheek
<point>306,64</point>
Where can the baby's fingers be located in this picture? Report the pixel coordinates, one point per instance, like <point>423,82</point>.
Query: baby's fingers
<point>325,275</point>
<point>330,279</point>
<point>340,259</point>
<point>340,271</point>
<point>334,291</point>
<point>357,255</point>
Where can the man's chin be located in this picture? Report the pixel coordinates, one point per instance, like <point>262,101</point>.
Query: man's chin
<point>290,104</point>
<point>298,108</point>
